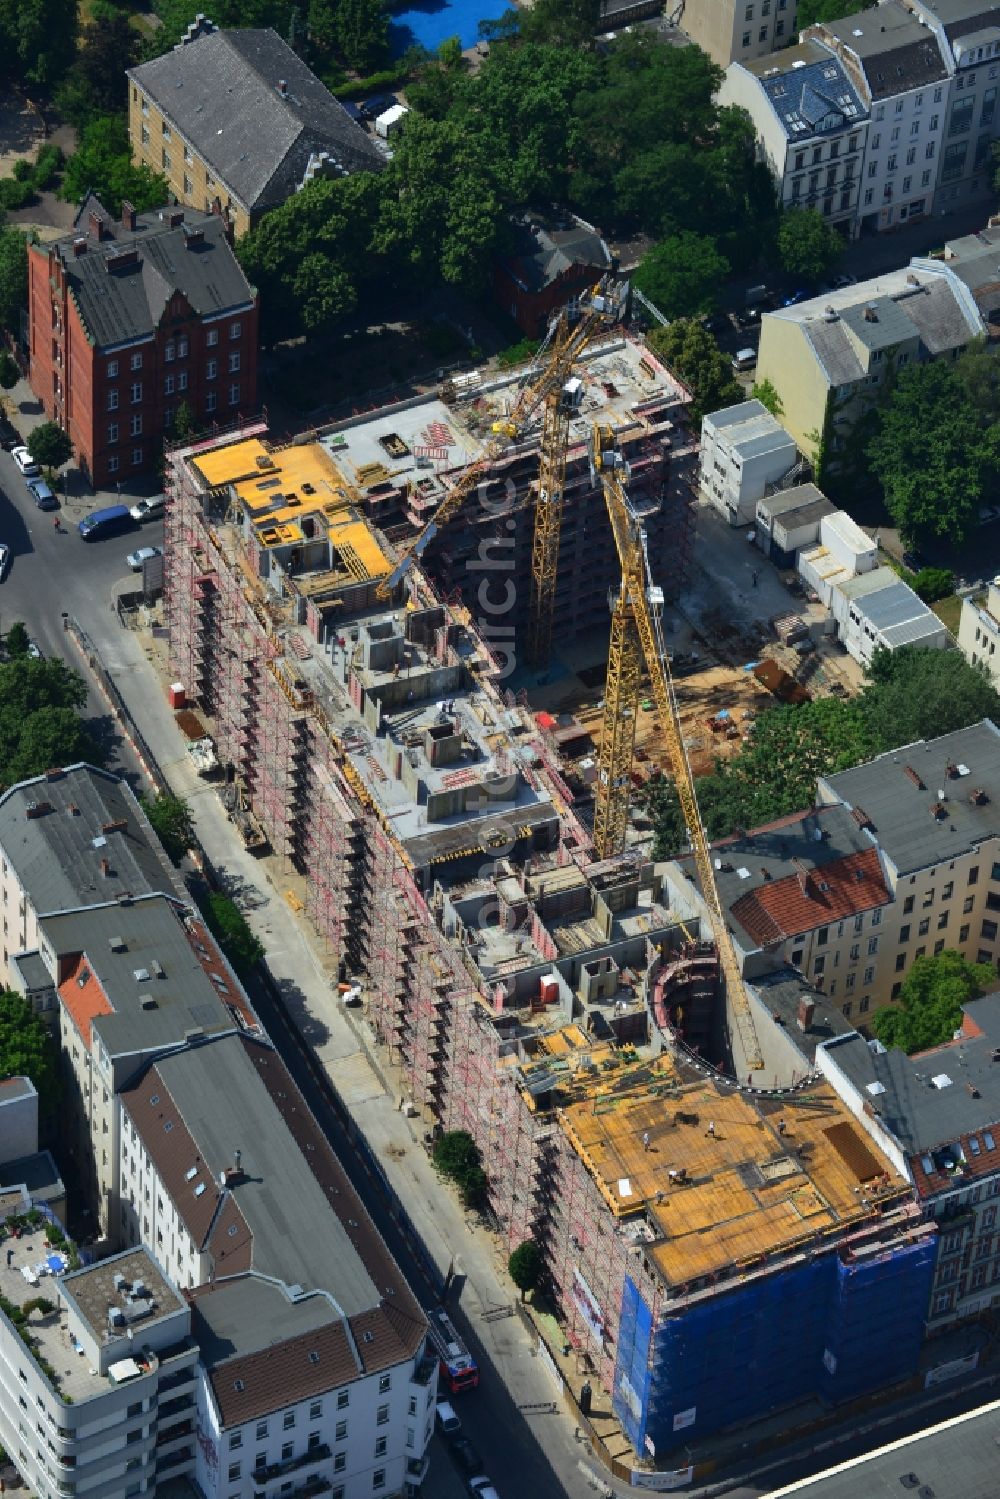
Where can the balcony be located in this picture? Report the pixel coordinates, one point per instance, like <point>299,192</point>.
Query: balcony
<point>416,1469</point>
<point>291,1465</point>
<point>424,1372</point>
<point>173,1460</point>
<point>311,1489</point>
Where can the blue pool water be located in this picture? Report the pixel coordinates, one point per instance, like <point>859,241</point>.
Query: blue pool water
<point>434,21</point>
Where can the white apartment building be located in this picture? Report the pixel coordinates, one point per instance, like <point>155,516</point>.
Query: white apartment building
<point>312,1345</point>
<point>811,125</point>
<point>102,1407</point>
<point>968,35</point>
<point>903,77</point>
<point>979,631</point>
<point>899,859</point>
<point>743,451</point>
<point>71,838</point>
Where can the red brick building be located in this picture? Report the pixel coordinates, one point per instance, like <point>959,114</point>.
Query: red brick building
<point>551,260</point>
<point>130,319</point>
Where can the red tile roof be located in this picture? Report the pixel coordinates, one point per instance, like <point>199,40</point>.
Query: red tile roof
<point>778,909</point>
<point>84,998</point>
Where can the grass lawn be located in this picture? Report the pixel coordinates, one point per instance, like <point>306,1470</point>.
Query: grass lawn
<point>949,611</point>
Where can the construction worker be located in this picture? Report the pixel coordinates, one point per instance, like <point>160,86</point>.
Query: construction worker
<point>645,1139</point>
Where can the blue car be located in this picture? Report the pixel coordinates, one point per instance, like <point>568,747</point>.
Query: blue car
<point>797,296</point>
<point>42,495</point>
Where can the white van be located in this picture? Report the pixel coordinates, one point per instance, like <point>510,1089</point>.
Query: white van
<point>446,1419</point>
<point>744,359</point>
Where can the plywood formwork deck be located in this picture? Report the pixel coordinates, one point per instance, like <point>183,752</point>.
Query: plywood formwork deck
<point>760,1177</point>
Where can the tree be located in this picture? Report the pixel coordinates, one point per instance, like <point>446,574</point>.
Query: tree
<point>456,1155</point>
<point>811,12</point>
<point>229,928</point>
<point>170,817</point>
<point>562,23</point>
<point>768,397</point>
<point>933,583</point>
<point>95,85</point>
<point>102,164</point>
<point>807,245</point>
<point>682,274</point>
<point>49,445</point>
<point>930,1001</point>
<point>37,38</point>
<point>28,1049</point>
<point>13,279</point>
<point>936,448</point>
<point>689,350</point>
<point>525,1266</point>
<point>917,693</point>
<point>40,726</point>
<point>9,372</point>
<point>18,640</point>
<point>184,422</point>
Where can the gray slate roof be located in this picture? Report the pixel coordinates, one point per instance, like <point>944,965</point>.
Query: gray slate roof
<point>545,249</point>
<point>55,856</point>
<point>900,811</point>
<point>122,297</point>
<point>896,52</point>
<point>184,999</point>
<point>834,352</point>
<point>922,1115</point>
<point>221,93</point>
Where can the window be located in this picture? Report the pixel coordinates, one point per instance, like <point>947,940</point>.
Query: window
<point>211,401</point>
<point>381,1446</point>
<point>942,921</point>
<point>382,1416</point>
<point>963,933</point>
<point>234,395</point>
<point>135,425</point>
<point>165,159</point>
<point>112,431</point>
<point>182,347</point>
<point>818,966</point>
<point>112,465</point>
<point>316,1410</point>
<point>937,96</point>
<point>234,363</point>
<point>188,186</point>
<point>908,905</point>
<point>260,1459</point>
<point>378,1478</point>
<point>235,1440</point>
<point>895,991</point>
<point>746,38</point>
<point>924,927</point>
<point>989,106</point>
<point>973,878</point>
<point>954,161</point>
<point>911,157</point>
<point>748,13</point>
<point>900,962</point>
<point>869,975</point>
<point>112,369</point>
<point>182,380</point>
<point>849,983</point>
<point>411,1408</point>
<point>339,1462</point>
<point>988,931</point>
<point>904,934</point>
<point>261,1430</point>
<point>341,1432</point>
<point>235,330</point>
<point>855,952</point>
<point>928,899</point>
<point>144,106</point>
<point>846,1009</point>
<point>211,369</point>
<point>779,28</point>
<point>286,1451</point>
<point>137,463</point>
<point>135,392</point>
<point>939,946</point>
<point>872,946</point>
<point>385,1384</point>
<point>144,132</point>
<point>112,400</point>
<point>864,1005</point>
<point>967,905</point>
<point>234,1472</point>
<point>313,1441</point>
<point>762,34</point>
<point>869,195</point>
<point>166,130</point>
<point>168,385</point>
<point>288,1420</point>
<point>343,1399</point>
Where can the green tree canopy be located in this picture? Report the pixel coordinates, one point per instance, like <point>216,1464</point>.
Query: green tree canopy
<point>688,349</point>
<point>40,702</point>
<point>930,1001</point>
<point>49,445</point>
<point>916,693</point>
<point>13,278</point>
<point>28,1049</point>
<point>456,1155</point>
<point>525,1265</point>
<point>811,12</point>
<point>230,929</point>
<point>807,245</point>
<point>37,39</point>
<point>95,84</point>
<point>682,274</point>
<point>18,640</point>
<point>562,23</point>
<point>936,446</point>
<point>102,164</point>
<point>769,398</point>
<point>170,817</point>
<point>9,372</point>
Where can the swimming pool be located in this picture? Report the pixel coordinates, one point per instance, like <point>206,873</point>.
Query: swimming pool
<point>433,22</point>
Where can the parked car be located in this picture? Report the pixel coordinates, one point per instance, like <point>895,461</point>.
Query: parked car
<point>744,359</point>
<point>466,1456</point>
<point>845,279</point>
<point>10,437</point>
<point>42,495</point>
<point>4,559</point>
<point>148,509</point>
<point>481,1487</point>
<point>25,462</point>
<point>34,651</point>
<point>141,555</point>
<point>447,1420</point>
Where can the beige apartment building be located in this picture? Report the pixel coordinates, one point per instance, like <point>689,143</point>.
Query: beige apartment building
<point>827,358</point>
<point>737,30</point>
<point>237,123</point>
<point>979,630</point>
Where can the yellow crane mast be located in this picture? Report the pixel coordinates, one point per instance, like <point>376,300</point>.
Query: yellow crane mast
<point>573,333</point>
<point>636,633</point>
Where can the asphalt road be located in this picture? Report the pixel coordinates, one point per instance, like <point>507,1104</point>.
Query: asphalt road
<point>55,572</point>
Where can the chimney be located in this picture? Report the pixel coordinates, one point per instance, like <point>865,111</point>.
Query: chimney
<point>80,244</point>
<point>806,1011</point>
<point>237,1159</point>
<point>911,774</point>
<point>871,314</point>
<point>106,868</point>
<point>96,225</point>
<point>120,826</point>
<point>128,215</point>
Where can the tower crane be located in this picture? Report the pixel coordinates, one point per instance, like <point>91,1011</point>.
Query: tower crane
<point>637,634</point>
<point>553,388</point>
